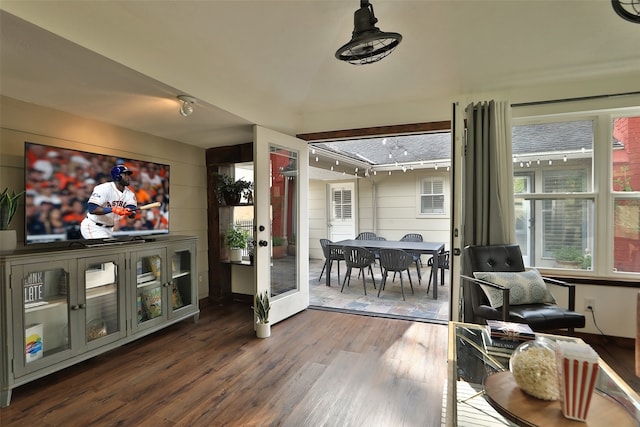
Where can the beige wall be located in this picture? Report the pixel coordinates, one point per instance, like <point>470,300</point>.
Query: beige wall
<point>22,122</point>
<point>395,208</point>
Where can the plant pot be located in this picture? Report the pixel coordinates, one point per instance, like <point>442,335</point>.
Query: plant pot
<point>235,255</point>
<point>568,264</point>
<point>279,252</point>
<point>231,199</point>
<point>263,330</point>
<point>8,240</point>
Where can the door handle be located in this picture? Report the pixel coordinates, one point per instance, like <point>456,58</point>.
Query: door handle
<point>263,243</point>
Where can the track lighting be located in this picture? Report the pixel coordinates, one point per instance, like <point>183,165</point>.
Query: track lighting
<point>187,105</point>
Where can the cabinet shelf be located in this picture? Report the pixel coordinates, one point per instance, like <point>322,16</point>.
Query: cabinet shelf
<point>50,304</point>
<point>102,291</point>
<point>243,262</point>
<point>235,206</point>
<point>147,284</point>
<point>180,274</point>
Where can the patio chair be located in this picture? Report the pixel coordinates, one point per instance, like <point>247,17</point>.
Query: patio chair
<point>491,272</point>
<point>366,235</point>
<point>330,254</point>
<point>443,264</point>
<point>414,237</point>
<point>360,258</point>
<point>376,252</point>
<point>395,260</point>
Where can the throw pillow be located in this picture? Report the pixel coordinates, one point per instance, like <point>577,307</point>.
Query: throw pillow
<point>526,287</point>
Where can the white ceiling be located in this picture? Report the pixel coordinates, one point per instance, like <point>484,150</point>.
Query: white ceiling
<point>272,62</point>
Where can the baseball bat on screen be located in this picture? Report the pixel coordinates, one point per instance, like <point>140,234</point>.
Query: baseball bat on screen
<point>149,206</point>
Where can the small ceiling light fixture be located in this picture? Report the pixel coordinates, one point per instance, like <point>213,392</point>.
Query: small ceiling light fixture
<point>627,9</point>
<point>368,44</point>
<point>187,105</point>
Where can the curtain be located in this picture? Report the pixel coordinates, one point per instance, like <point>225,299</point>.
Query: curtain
<point>488,215</point>
<point>488,204</point>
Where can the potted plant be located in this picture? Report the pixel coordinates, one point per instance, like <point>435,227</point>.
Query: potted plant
<point>251,249</point>
<point>291,246</point>
<point>8,206</point>
<point>278,247</point>
<point>261,309</point>
<point>236,240</point>
<point>231,192</point>
<point>568,257</point>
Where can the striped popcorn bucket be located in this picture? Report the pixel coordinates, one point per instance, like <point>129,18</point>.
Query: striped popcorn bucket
<point>577,373</point>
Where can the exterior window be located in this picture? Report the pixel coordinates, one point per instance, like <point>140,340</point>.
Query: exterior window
<point>564,220</point>
<point>554,204</point>
<point>626,194</point>
<point>523,184</point>
<point>432,196</point>
<point>341,204</point>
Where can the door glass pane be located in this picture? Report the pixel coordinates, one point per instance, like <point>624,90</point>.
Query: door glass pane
<point>181,279</point>
<point>101,292</point>
<point>46,313</point>
<point>284,222</point>
<point>149,288</point>
<point>341,204</point>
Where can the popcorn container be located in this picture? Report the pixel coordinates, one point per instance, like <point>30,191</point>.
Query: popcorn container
<point>577,374</point>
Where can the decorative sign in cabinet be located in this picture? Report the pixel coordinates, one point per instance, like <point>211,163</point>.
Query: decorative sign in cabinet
<point>62,306</point>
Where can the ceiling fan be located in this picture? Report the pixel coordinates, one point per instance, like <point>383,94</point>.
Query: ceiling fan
<point>627,9</point>
<point>368,44</point>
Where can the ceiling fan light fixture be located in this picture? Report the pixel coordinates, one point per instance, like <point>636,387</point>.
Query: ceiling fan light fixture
<point>627,9</point>
<point>368,44</point>
<point>187,105</point>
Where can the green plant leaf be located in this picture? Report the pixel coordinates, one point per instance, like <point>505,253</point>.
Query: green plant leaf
<point>8,206</point>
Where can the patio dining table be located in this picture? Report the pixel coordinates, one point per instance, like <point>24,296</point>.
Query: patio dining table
<point>432,248</point>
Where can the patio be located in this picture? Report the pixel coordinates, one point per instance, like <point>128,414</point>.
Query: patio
<point>419,306</point>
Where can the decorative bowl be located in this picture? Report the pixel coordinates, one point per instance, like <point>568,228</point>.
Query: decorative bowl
<point>533,365</point>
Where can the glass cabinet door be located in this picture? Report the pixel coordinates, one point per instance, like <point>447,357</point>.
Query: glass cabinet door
<point>103,301</point>
<point>43,313</point>
<point>149,288</point>
<point>182,265</point>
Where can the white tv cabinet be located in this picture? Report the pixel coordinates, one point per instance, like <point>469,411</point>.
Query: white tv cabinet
<point>61,306</point>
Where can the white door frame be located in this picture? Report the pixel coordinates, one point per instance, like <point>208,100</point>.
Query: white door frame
<point>289,303</point>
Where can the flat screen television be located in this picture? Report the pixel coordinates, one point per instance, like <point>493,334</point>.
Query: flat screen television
<point>59,181</point>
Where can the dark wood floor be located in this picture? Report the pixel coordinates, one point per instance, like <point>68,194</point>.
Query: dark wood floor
<point>319,368</point>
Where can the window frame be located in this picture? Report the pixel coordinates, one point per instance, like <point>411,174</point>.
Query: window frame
<point>601,193</point>
<point>432,180</point>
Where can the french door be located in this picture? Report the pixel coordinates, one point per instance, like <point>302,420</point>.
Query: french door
<point>281,211</point>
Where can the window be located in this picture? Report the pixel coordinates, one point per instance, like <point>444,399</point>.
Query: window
<point>625,170</point>
<point>552,192</point>
<point>577,193</point>
<point>341,204</point>
<point>432,196</point>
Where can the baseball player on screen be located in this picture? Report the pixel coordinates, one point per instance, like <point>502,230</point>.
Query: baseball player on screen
<point>107,203</point>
